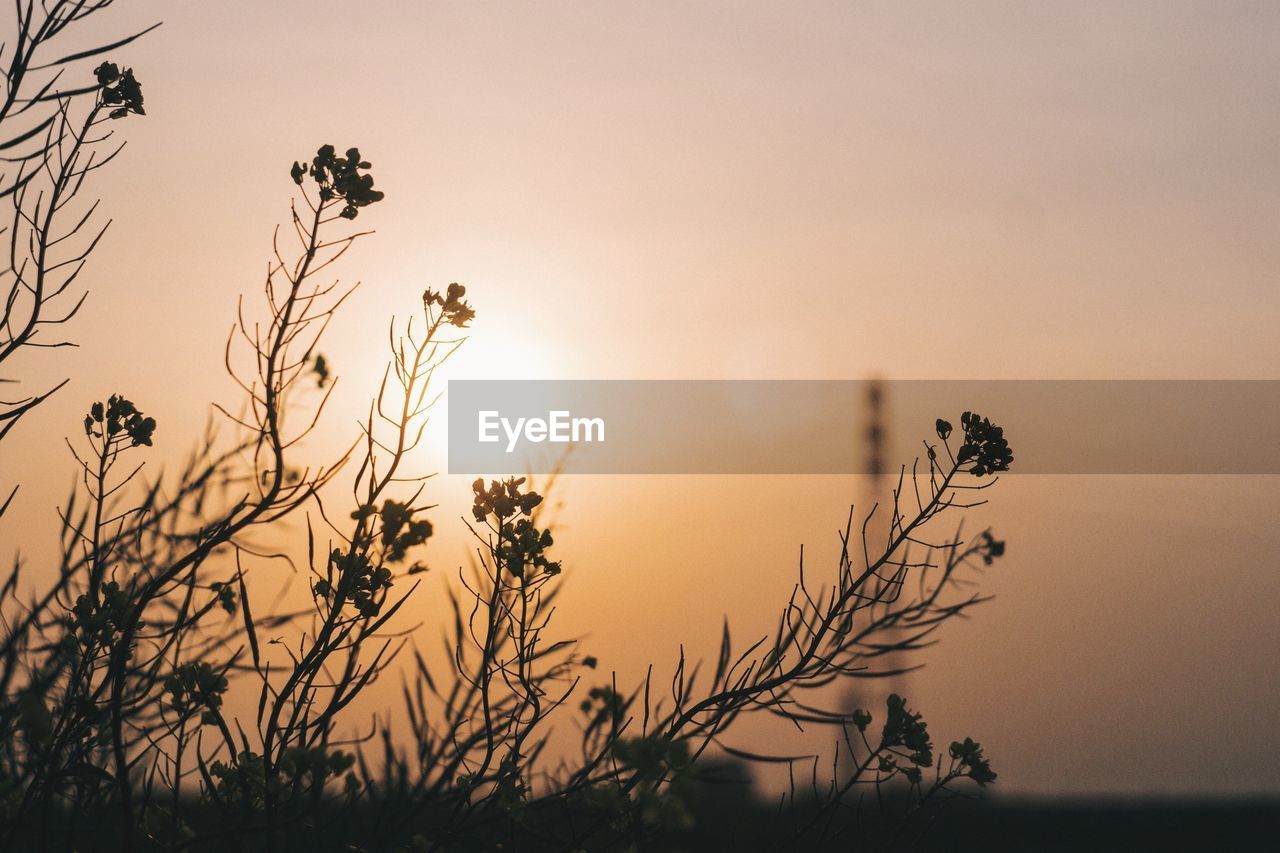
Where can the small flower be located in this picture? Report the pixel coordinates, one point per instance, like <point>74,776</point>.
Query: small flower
<point>502,499</point>
<point>975,765</point>
<point>320,367</point>
<point>107,73</point>
<point>340,178</point>
<point>101,619</point>
<point>196,686</point>
<point>225,595</point>
<point>989,547</point>
<point>521,547</point>
<point>359,582</point>
<point>454,309</point>
<point>400,531</point>
<point>603,704</point>
<point>120,88</point>
<point>119,419</point>
<point>904,727</point>
<point>984,445</point>
<point>860,719</point>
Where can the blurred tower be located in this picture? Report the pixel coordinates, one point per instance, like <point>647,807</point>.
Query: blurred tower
<point>875,490</point>
<point>879,491</point>
<point>875,432</point>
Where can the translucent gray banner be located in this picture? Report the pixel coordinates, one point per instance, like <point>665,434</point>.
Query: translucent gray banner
<point>824,426</point>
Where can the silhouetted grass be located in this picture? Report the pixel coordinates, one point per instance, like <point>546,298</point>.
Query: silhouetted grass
<point>117,667</point>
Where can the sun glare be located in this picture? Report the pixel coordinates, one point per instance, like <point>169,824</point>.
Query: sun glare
<point>497,351</point>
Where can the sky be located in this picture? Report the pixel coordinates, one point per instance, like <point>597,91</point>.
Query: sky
<point>748,191</point>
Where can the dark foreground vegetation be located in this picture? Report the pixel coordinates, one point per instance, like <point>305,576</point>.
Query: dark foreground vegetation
<point>726,815</point>
<point>122,659</point>
<point>995,824</point>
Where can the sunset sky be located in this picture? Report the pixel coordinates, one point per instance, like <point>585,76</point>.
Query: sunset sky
<point>749,191</point>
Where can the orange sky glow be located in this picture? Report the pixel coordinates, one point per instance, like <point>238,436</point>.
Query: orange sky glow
<point>760,191</point>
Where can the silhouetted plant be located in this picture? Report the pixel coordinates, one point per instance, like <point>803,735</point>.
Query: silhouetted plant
<point>118,676</point>
<point>52,137</point>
